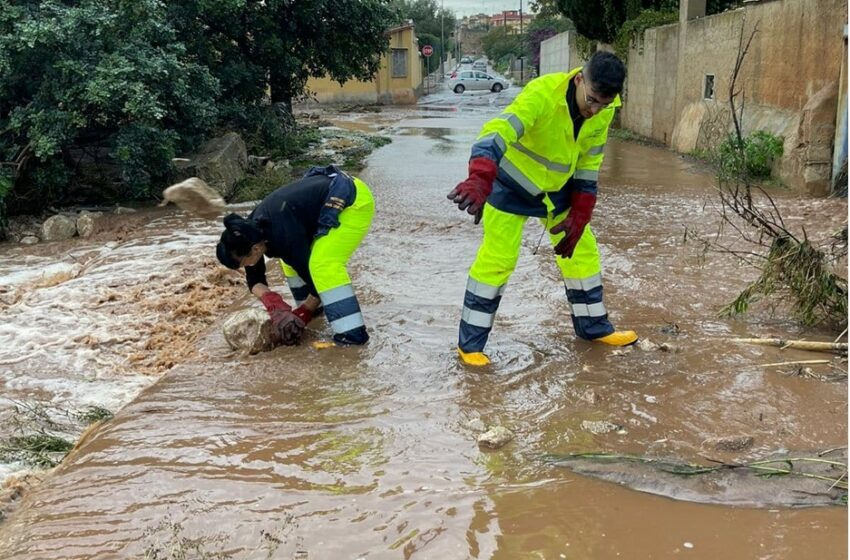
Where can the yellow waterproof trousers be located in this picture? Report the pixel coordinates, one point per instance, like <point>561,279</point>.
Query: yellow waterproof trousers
<point>328,258</point>
<point>496,261</point>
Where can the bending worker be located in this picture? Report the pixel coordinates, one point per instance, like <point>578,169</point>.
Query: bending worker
<point>541,158</point>
<point>313,226</point>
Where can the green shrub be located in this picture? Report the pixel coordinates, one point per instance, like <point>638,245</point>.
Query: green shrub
<point>633,29</point>
<point>760,151</point>
<point>101,76</point>
<point>752,157</point>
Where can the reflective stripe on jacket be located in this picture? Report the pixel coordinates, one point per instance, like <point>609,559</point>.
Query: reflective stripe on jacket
<point>534,145</point>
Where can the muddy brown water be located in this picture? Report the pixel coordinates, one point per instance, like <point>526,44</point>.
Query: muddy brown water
<point>366,452</point>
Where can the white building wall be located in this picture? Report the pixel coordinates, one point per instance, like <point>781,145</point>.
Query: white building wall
<point>555,54</point>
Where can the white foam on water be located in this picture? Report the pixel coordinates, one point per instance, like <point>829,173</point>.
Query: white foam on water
<point>69,343</point>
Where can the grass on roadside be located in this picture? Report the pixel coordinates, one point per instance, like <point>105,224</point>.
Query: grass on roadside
<point>41,435</point>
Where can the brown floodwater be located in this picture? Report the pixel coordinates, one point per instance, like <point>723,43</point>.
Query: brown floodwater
<point>369,453</point>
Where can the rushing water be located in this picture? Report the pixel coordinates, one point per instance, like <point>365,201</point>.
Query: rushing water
<point>368,452</point>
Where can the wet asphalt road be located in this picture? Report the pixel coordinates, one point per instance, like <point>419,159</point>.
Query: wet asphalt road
<point>367,452</point>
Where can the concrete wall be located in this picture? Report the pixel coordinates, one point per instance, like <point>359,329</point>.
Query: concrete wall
<point>383,88</point>
<point>559,54</point>
<point>666,42</point>
<point>650,96</point>
<point>793,66</point>
<point>555,54</point>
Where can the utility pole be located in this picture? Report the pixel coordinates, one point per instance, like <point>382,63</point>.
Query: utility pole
<point>521,58</point>
<point>442,41</point>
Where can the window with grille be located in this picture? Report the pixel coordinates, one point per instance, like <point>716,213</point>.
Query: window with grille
<point>709,87</point>
<point>399,63</point>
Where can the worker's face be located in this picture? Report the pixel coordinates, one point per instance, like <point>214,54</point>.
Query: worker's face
<point>254,256</point>
<point>589,101</point>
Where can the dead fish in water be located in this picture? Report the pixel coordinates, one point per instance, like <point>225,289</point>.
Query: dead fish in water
<point>782,480</point>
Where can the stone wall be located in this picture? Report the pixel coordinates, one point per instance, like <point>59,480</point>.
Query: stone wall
<point>793,65</point>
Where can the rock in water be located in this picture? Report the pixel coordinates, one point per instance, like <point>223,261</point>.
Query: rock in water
<point>249,330</point>
<point>599,427</point>
<point>221,162</point>
<point>477,425</point>
<point>495,437</point>
<point>196,197</point>
<point>57,228</point>
<point>87,223</point>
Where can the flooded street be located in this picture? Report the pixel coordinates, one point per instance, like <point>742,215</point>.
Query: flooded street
<point>368,452</point>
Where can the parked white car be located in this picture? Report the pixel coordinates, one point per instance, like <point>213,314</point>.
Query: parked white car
<point>475,81</point>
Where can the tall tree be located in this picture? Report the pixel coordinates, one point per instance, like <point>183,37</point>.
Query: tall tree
<point>100,75</point>
<point>542,28</point>
<point>254,45</point>
<point>431,21</point>
<point>545,8</point>
<point>499,44</point>
<point>601,20</point>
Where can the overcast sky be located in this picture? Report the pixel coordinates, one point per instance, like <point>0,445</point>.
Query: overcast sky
<point>468,7</point>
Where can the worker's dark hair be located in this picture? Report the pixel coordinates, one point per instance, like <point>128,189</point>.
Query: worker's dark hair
<point>239,235</point>
<point>606,73</point>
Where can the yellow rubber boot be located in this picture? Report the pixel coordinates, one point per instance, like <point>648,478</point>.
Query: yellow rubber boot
<point>473,358</point>
<point>619,338</point>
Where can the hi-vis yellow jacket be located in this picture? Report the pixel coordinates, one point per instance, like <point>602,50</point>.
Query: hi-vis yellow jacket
<point>537,152</point>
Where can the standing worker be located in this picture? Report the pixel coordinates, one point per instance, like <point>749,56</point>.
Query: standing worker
<point>313,226</point>
<point>541,158</point>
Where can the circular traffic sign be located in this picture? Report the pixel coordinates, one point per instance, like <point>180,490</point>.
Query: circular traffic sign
<point>427,50</point>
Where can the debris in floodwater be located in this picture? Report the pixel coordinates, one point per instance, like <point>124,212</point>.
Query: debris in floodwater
<point>730,443</point>
<point>671,329</point>
<point>643,414</point>
<point>599,427</point>
<point>495,437</point>
<point>647,345</point>
<point>780,480</point>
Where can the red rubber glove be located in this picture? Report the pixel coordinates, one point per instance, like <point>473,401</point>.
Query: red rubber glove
<point>272,302</point>
<point>303,313</point>
<point>581,209</point>
<point>471,194</point>
<point>287,324</point>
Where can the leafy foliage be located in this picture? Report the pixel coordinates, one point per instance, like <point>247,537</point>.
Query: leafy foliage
<point>751,157</point>
<point>433,23</point>
<point>106,74</point>
<point>633,29</point>
<point>252,45</point>
<point>542,28</point>
<point>545,8</point>
<point>500,44</point>
<point>601,20</point>
<point>98,96</point>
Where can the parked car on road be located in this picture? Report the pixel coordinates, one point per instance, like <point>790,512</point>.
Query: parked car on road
<point>466,60</point>
<point>479,65</point>
<point>476,81</point>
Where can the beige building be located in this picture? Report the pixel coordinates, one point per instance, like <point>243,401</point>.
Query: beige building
<point>512,19</point>
<point>679,75</point>
<point>397,82</point>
